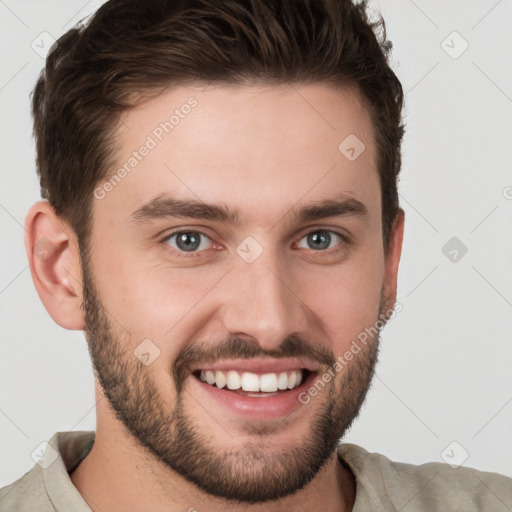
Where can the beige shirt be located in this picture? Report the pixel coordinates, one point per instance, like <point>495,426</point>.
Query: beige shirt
<point>381,484</point>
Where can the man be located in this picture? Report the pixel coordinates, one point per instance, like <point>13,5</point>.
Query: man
<point>221,219</point>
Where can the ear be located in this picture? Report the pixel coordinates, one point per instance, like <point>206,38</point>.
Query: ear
<point>54,260</point>
<point>392,259</point>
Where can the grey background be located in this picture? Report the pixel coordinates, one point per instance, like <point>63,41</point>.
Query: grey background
<point>445,369</point>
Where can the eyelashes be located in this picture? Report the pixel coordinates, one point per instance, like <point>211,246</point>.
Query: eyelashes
<point>198,247</point>
<point>184,253</point>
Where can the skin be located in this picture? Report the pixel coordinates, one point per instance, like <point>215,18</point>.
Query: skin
<point>262,150</point>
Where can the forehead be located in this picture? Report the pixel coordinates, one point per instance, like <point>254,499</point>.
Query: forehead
<point>260,148</point>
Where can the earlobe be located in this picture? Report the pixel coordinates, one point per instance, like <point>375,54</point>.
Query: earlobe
<point>55,265</point>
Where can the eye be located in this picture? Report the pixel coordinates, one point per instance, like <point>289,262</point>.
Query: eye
<point>194,242</point>
<point>186,241</point>
<point>321,239</point>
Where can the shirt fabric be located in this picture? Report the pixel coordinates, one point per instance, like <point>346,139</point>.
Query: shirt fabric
<point>381,484</point>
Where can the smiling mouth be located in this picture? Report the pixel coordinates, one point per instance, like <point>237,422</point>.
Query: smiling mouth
<point>253,384</point>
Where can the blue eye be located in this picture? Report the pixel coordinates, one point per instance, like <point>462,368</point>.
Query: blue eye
<point>194,242</point>
<point>321,239</point>
<point>187,241</point>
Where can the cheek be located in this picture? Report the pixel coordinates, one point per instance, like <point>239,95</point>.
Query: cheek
<point>152,300</point>
<point>346,298</point>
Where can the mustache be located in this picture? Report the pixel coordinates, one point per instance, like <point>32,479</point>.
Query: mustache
<point>235,347</point>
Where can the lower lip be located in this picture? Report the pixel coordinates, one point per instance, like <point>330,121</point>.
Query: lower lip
<point>265,407</point>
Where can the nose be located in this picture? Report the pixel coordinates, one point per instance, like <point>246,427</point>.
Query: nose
<point>260,301</point>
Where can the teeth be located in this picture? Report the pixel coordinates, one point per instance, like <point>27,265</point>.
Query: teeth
<point>220,379</point>
<point>268,382</point>
<point>251,382</point>
<point>292,379</point>
<point>210,377</point>
<point>282,381</point>
<point>234,380</point>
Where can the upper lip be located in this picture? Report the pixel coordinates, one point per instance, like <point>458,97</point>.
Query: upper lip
<point>259,365</point>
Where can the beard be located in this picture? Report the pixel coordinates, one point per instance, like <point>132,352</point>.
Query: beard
<point>254,471</point>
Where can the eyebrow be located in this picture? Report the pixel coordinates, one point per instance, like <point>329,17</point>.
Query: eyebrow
<point>165,206</point>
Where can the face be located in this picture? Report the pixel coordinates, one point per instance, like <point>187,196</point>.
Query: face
<point>207,327</point>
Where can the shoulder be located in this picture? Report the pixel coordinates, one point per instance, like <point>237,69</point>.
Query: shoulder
<point>48,486</point>
<point>426,486</point>
<point>27,494</point>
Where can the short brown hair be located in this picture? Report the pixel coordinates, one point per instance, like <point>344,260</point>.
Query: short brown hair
<point>133,49</point>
